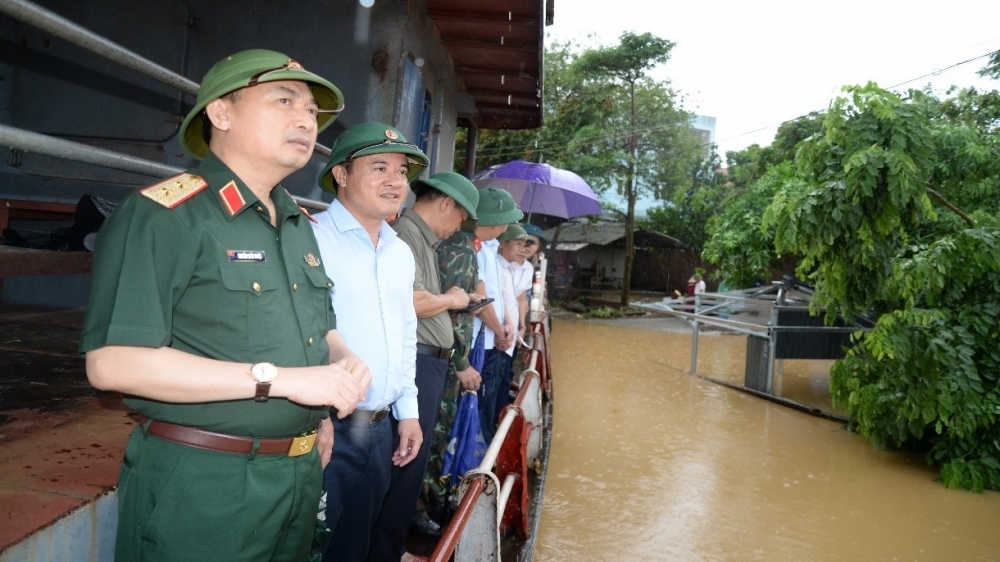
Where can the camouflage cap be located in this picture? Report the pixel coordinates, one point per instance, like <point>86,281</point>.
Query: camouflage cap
<point>497,207</point>
<point>514,232</point>
<point>249,68</point>
<point>366,139</point>
<point>456,186</point>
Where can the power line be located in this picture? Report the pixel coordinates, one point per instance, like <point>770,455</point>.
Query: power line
<point>601,138</point>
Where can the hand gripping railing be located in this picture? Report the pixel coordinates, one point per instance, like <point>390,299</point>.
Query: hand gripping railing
<point>487,508</point>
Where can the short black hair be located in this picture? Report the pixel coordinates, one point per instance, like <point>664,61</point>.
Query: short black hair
<point>427,192</point>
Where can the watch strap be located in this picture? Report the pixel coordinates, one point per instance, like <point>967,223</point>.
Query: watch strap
<point>263,390</point>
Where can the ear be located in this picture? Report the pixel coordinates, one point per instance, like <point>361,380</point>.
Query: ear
<point>446,204</point>
<point>339,175</point>
<point>218,113</point>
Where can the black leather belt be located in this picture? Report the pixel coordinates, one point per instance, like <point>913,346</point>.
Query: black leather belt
<point>434,351</point>
<point>369,416</point>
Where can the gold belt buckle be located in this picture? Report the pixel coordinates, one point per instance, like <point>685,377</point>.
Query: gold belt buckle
<point>303,444</point>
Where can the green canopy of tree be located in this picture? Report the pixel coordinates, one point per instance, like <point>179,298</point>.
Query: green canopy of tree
<point>607,120</point>
<point>874,214</point>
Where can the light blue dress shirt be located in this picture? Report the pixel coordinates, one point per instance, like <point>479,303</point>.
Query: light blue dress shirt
<point>373,298</point>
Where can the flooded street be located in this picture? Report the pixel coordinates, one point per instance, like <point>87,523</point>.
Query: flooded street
<point>649,463</point>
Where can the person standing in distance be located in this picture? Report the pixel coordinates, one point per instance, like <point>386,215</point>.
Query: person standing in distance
<point>373,272</point>
<point>210,311</point>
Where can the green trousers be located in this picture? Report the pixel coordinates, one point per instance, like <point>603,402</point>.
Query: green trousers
<point>181,503</point>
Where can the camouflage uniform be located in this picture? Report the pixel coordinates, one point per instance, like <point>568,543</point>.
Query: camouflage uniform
<point>458,267</point>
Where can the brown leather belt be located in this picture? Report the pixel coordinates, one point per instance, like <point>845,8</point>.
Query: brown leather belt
<point>203,439</point>
<point>434,351</point>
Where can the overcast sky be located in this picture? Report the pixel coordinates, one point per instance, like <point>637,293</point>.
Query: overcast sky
<point>753,64</point>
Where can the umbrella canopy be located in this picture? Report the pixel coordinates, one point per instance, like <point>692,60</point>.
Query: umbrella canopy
<point>541,188</point>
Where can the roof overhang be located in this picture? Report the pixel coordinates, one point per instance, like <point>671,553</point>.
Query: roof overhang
<point>497,48</point>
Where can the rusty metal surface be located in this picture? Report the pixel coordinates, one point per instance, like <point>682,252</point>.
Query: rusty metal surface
<point>497,48</point>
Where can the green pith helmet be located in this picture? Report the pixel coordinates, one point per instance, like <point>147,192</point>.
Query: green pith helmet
<point>497,207</point>
<point>455,186</point>
<point>367,139</point>
<point>514,232</point>
<point>249,68</point>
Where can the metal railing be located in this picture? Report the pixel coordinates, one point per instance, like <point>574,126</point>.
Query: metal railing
<point>20,139</point>
<point>488,508</point>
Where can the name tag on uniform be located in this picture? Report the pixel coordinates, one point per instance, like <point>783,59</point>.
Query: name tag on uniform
<point>245,255</point>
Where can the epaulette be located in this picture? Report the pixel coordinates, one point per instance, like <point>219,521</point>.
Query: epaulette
<point>171,192</point>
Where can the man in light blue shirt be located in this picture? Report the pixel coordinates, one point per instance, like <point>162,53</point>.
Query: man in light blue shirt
<point>373,273</point>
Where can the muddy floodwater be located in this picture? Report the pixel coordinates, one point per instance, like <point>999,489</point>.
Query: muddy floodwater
<point>650,463</point>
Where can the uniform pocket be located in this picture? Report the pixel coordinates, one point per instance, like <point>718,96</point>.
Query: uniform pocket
<point>252,288</point>
<point>318,279</point>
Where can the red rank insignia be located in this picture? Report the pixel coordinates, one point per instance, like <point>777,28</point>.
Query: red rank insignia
<point>232,199</point>
<point>478,245</point>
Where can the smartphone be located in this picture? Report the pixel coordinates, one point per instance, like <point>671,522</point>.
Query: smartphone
<point>472,306</point>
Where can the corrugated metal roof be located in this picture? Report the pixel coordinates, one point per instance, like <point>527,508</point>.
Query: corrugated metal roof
<point>497,48</point>
<point>602,233</point>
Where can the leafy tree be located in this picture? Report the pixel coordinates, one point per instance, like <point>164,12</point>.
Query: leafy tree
<point>750,164</point>
<point>685,215</point>
<point>738,243</point>
<point>870,217</point>
<point>646,134</point>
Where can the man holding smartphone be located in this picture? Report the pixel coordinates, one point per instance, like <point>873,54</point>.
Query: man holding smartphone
<point>459,268</point>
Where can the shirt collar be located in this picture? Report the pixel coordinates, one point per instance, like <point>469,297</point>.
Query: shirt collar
<point>218,175</point>
<point>345,221</point>
<point>425,230</point>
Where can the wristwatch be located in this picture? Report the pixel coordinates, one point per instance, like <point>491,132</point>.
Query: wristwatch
<point>263,373</point>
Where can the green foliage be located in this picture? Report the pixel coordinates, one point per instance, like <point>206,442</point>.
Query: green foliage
<point>604,312</point>
<point>867,179</point>
<point>750,164</point>
<point>872,212</point>
<point>738,243</point>
<point>926,376</point>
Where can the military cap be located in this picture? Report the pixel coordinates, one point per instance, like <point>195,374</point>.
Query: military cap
<point>514,232</point>
<point>455,186</point>
<point>534,230</point>
<point>249,68</point>
<point>497,207</point>
<point>366,139</point>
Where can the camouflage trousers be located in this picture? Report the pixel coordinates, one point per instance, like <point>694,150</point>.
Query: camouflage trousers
<point>435,494</point>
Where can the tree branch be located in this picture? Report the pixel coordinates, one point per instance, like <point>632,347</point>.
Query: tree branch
<point>954,209</point>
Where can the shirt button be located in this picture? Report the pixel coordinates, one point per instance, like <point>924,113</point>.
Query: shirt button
<point>295,286</point>
<point>260,209</point>
<point>329,285</point>
<point>310,341</point>
<point>256,287</point>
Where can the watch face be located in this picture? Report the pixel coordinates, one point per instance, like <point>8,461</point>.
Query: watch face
<point>264,372</point>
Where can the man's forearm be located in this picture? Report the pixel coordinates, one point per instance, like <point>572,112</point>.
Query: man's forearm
<point>427,304</point>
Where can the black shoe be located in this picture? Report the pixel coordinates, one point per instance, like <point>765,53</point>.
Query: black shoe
<point>426,526</point>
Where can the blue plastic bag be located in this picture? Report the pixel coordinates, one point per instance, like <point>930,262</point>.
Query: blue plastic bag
<point>466,446</point>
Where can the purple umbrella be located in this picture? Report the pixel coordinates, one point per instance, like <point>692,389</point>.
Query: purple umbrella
<point>541,188</point>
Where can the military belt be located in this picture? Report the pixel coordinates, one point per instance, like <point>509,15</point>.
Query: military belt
<point>223,442</point>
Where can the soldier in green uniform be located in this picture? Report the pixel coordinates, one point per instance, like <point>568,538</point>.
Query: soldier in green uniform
<point>458,268</point>
<point>209,309</point>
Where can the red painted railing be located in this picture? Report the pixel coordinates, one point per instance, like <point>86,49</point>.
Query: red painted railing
<point>487,508</point>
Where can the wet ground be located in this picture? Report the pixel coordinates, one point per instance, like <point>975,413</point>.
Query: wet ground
<point>60,439</point>
<point>650,463</point>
